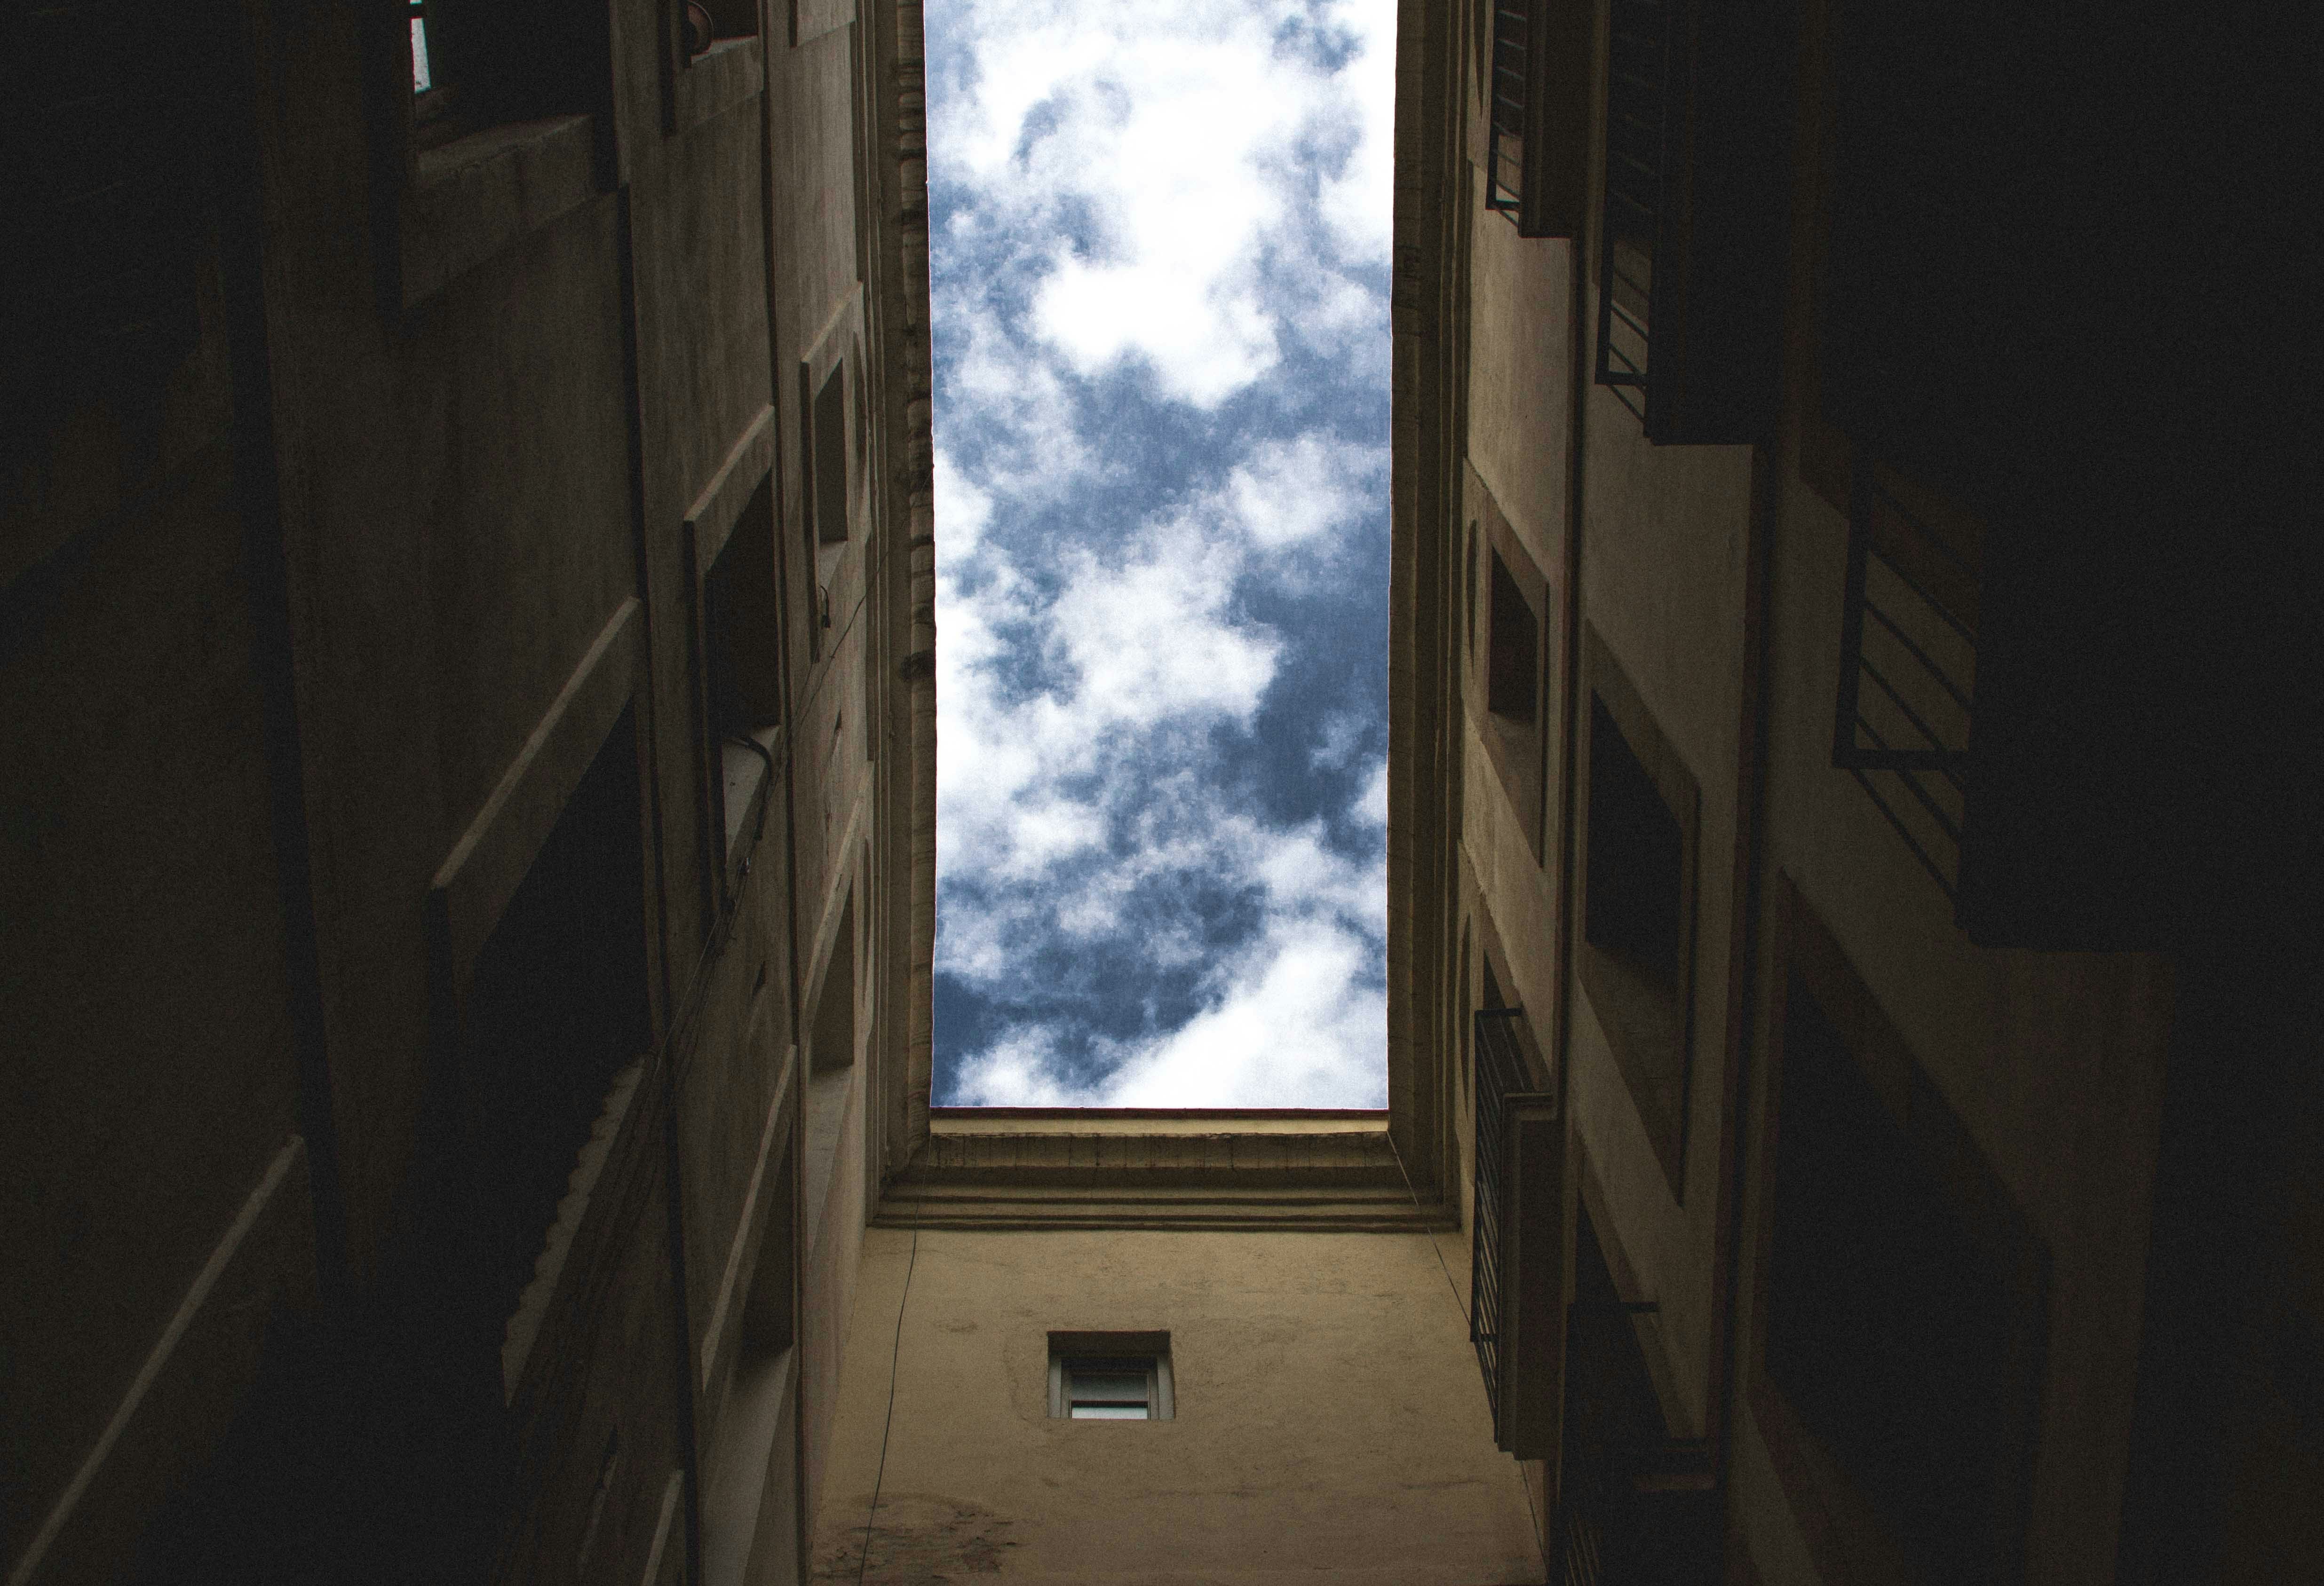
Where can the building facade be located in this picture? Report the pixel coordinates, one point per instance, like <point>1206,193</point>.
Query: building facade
<point>1814,755</point>
<point>1849,1116</point>
<point>469,774</point>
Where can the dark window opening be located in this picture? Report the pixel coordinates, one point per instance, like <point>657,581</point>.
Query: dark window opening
<point>557,1010</point>
<point>1111,1376</point>
<point>1468,601</point>
<point>829,461</point>
<point>831,1044</point>
<point>1513,666</point>
<point>1637,858</point>
<point>1903,1309</point>
<point>482,63</point>
<point>1639,806</point>
<point>742,615</point>
<point>831,1067</point>
<point>741,676</point>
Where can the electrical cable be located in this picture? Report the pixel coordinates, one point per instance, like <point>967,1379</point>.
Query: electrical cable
<point>863,1561</point>
<point>1451,1287</point>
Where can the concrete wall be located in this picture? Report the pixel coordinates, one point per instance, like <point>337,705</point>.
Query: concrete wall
<point>1330,1424</point>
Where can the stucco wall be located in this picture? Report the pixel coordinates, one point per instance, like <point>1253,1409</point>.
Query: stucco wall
<point>1330,1419</point>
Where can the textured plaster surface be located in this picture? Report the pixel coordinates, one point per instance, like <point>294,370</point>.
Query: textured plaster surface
<point>1329,1422</point>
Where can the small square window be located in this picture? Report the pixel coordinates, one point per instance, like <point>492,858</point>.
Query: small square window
<point>1111,1376</point>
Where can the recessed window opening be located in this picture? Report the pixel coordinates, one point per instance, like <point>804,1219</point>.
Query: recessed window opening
<point>742,660</point>
<point>1903,1289</point>
<point>1111,1376</point>
<point>1637,854</point>
<point>1513,676</point>
<point>830,461</point>
<point>1161,547</point>
<point>1640,811</point>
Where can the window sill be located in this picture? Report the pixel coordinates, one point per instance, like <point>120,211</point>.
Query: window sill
<point>1645,1023</point>
<point>722,77</point>
<point>480,195</point>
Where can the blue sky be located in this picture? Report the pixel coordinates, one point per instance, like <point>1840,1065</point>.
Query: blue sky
<point>1161,297</point>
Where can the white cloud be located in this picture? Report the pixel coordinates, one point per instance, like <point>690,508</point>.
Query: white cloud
<point>1194,193</point>
<point>1152,147</point>
<point>1371,805</point>
<point>1284,492</point>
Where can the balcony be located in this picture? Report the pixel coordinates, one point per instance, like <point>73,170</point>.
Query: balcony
<point>1908,663</point>
<point>1517,1275</point>
<point>1693,241</point>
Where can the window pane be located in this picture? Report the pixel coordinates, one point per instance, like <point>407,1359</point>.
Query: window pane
<point>1109,1412</point>
<point>1114,1386</point>
<point>421,82</point>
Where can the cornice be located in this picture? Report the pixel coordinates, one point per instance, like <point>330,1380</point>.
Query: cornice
<point>1341,1174</point>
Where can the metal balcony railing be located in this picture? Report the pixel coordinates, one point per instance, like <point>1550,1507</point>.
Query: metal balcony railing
<point>1500,1073</point>
<point>1508,83</point>
<point>1637,100</point>
<point>1908,667</point>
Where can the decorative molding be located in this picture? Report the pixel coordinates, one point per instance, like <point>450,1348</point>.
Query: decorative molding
<point>712,517</point>
<point>1337,1177</point>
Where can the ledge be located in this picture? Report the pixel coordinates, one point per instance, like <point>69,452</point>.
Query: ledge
<point>1156,1121</point>
<point>1050,1169</point>
<point>481,194</point>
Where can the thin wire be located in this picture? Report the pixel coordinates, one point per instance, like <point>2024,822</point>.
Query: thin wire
<point>1454,1288</point>
<point>897,1350</point>
<point>1451,1287</point>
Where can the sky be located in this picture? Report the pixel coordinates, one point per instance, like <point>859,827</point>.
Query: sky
<point>1161,234</point>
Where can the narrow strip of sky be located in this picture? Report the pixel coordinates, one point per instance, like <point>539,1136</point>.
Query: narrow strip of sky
<point>1161,240</point>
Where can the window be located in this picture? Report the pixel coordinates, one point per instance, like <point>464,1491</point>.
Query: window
<point>1509,675</point>
<point>742,673</point>
<point>1535,56</point>
<point>1902,1288</point>
<point>1631,909</point>
<point>830,1066</point>
<point>1693,239</point>
<point>1638,900</point>
<point>1111,1376</point>
<point>834,437</point>
<point>830,460</point>
<point>1513,669</point>
<point>482,63</point>
<point>1468,602</point>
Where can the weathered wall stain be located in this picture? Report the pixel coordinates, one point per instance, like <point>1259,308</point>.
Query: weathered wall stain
<point>920,1539</point>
